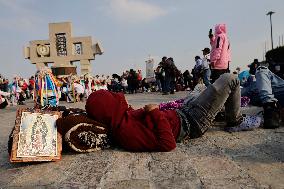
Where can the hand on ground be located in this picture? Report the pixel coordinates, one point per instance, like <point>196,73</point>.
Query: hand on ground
<point>150,107</point>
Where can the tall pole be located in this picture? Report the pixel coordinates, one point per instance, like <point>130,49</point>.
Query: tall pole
<point>265,50</point>
<point>271,30</point>
<point>270,13</point>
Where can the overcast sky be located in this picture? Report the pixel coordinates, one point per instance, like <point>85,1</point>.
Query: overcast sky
<point>131,30</point>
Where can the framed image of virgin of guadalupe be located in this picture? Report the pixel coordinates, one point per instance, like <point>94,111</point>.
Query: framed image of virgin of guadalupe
<point>35,136</point>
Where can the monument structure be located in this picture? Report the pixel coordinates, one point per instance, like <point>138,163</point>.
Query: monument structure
<point>150,74</point>
<point>62,49</point>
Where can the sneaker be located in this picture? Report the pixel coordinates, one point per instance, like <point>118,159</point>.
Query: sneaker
<point>249,123</point>
<point>272,118</point>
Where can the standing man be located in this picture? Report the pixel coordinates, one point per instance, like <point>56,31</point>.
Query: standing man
<point>220,56</point>
<point>159,77</point>
<point>162,66</point>
<point>170,74</point>
<point>206,66</point>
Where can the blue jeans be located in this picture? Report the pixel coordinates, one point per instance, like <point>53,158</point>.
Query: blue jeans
<point>159,84</point>
<point>206,77</point>
<point>269,85</point>
<point>250,90</point>
<point>200,113</point>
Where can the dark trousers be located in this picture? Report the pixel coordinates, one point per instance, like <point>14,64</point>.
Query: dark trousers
<point>169,83</point>
<point>3,104</point>
<point>215,74</point>
<point>163,83</point>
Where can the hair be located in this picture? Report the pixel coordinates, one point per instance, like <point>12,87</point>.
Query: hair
<point>197,57</point>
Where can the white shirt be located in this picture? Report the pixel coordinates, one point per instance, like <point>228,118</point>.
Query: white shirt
<point>79,88</point>
<point>124,83</point>
<point>205,62</point>
<point>2,93</point>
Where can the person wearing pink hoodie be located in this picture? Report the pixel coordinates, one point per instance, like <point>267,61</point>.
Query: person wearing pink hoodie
<point>220,56</point>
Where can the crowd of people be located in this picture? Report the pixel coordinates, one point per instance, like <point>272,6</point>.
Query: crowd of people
<point>74,88</point>
<point>154,129</point>
<point>16,91</point>
<point>168,78</point>
<point>151,128</point>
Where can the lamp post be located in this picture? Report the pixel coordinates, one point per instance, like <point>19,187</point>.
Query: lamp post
<point>270,13</point>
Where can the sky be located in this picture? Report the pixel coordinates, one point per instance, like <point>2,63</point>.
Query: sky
<point>132,30</point>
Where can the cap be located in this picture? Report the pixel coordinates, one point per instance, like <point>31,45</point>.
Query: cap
<point>206,49</point>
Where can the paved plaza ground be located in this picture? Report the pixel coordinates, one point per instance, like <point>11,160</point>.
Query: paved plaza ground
<point>252,159</point>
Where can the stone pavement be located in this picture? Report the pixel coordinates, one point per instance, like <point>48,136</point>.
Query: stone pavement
<point>252,159</point>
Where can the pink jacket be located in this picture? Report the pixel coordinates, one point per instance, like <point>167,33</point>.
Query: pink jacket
<point>220,56</point>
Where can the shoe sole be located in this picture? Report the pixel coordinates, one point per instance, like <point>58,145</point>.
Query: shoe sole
<point>85,137</point>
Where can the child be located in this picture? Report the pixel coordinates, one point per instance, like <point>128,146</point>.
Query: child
<point>206,66</point>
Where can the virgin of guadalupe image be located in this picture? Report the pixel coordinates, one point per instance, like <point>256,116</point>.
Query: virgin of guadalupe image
<point>38,135</point>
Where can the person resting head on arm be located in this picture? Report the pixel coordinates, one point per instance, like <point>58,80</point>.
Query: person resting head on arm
<point>152,129</point>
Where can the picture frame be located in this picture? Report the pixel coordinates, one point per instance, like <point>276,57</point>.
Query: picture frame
<point>35,137</point>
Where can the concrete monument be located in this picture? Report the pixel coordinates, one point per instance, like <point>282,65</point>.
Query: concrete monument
<point>150,74</point>
<point>61,50</point>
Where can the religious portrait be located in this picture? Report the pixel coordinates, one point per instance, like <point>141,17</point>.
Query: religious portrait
<point>36,137</point>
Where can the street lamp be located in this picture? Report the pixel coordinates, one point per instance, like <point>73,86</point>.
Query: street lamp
<point>270,13</point>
